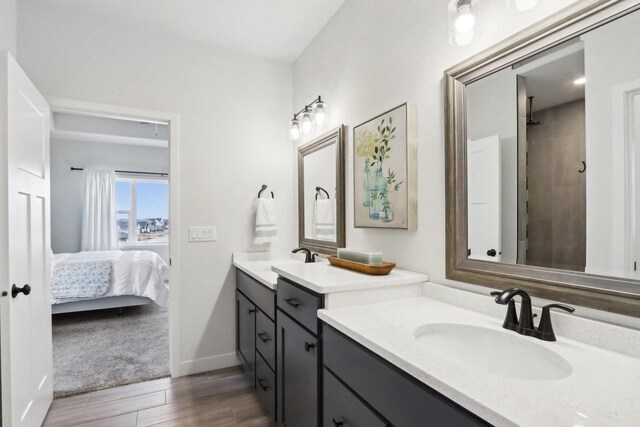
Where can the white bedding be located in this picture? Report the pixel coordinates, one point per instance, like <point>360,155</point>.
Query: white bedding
<point>139,273</point>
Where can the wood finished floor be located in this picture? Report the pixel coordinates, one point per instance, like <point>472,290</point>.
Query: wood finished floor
<point>221,398</point>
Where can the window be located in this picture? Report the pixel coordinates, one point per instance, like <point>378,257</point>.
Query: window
<point>142,208</point>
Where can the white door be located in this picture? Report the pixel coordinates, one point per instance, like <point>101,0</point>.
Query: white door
<point>25,320</point>
<point>634,171</point>
<point>483,198</point>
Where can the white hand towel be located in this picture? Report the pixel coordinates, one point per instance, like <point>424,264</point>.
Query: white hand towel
<point>325,219</point>
<point>266,229</point>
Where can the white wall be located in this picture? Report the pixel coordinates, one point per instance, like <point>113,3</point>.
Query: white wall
<point>66,185</point>
<point>609,63</point>
<point>8,26</point>
<point>372,56</point>
<point>492,109</point>
<point>234,109</point>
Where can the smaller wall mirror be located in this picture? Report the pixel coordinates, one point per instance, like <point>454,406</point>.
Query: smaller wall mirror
<point>321,192</point>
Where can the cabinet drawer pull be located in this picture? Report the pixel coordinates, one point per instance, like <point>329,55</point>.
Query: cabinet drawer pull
<point>263,337</point>
<point>252,310</point>
<point>262,386</point>
<point>337,423</point>
<point>308,346</point>
<point>293,302</point>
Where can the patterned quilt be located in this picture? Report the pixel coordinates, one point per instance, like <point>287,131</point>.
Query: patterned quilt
<point>81,279</point>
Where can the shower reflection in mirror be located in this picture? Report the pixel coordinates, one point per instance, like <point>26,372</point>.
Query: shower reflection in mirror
<point>553,148</point>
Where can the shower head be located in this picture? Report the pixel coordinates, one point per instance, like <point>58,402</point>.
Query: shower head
<point>531,122</point>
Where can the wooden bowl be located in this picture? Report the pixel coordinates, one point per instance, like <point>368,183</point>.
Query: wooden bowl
<point>373,269</point>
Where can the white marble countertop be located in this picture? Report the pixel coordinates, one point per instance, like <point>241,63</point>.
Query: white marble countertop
<point>324,278</point>
<point>258,264</point>
<point>603,388</point>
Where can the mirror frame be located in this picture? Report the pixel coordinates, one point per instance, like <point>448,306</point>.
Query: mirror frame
<point>611,294</point>
<point>333,136</point>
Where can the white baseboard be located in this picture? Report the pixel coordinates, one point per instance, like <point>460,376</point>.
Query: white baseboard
<point>212,363</point>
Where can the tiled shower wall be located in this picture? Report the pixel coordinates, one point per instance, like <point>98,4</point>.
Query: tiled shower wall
<point>557,192</point>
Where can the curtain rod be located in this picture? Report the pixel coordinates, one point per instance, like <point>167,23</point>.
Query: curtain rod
<point>129,172</point>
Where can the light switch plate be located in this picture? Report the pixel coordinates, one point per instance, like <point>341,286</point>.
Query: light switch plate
<point>203,234</point>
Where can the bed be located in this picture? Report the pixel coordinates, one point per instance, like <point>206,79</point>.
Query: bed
<point>107,279</point>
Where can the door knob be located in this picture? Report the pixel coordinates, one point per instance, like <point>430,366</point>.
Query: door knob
<point>15,290</point>
<point>491,252</point>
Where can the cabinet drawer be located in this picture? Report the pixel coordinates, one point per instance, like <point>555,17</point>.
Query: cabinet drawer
<point>266,339</point>
<point>398,397</point>
<point>342,408</point>
<point>266,385</point>
<point>300,304</point>
<point>259,294</point>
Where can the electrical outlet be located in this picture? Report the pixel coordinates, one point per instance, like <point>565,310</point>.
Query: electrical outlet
<point>203,234</point>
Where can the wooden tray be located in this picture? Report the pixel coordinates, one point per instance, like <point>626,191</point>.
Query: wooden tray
<point>372,269</point>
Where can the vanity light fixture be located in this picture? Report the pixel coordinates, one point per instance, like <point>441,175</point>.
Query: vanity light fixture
<point>521,5</point>
<point>462,21</point>
<point>314,112</point>
<point>580,81</point>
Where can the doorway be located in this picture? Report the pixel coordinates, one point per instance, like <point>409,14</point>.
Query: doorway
<point>140,186</point>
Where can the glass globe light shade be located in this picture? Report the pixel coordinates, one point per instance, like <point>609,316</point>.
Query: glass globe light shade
<point>320,113</point>
<point>521,5</point>
<point>306,122</point>
<point>294,129</point>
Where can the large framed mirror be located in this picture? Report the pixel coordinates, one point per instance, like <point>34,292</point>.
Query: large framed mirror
<point>321,217</point>
<point>543,160</point>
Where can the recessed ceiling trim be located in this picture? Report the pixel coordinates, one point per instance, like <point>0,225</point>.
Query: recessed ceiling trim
<point>64,135</point>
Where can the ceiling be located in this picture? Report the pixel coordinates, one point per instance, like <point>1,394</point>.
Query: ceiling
<point>551,80</point>
<point>277,29</point>
<point>86,128</point>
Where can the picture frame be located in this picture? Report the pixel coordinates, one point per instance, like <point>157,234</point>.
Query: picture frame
<point>385,170</point>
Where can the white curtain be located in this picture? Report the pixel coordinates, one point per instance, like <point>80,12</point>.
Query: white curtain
<point>99,224</point>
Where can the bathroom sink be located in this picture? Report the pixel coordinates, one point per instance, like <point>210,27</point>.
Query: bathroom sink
<point>495,352</point>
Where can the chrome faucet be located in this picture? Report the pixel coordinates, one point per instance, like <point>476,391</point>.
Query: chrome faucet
<point>524,324</point>
<point>308,256</point>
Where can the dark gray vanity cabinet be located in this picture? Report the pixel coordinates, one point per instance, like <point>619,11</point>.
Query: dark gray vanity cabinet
<point>256,335</point>
<point>362,389</point>
<point>298,356</point>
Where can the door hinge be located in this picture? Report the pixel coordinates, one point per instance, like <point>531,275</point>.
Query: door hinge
<point>169,261</point>
<point>469,252</point>
<point>635,265</point>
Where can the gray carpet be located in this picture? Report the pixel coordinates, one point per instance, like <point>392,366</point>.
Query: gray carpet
<point>101,349</point>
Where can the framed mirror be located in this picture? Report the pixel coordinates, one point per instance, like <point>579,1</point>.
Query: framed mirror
<point>543,160</point>
<point>321,217</point>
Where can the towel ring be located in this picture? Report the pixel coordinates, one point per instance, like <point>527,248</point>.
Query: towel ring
<point>264,187</point>
<point>319,189</point>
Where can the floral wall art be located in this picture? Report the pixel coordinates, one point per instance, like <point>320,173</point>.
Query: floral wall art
<point>385,170</point>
